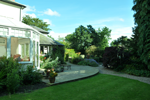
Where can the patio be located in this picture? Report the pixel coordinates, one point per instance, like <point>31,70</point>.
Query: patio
<point>77,72</point>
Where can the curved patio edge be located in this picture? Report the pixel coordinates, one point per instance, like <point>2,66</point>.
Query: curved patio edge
<point>77,72</point>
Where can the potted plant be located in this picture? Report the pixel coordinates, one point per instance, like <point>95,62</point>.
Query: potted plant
<point>62,69</point>
<point>52,76</point>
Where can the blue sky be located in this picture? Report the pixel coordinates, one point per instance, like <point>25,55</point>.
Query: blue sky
<point>66,15</point>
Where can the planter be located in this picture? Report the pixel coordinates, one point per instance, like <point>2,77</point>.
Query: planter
<point>47,74</point>
<point>52,80</point>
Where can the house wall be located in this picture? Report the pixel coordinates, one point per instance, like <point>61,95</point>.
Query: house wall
<point>10,10</point>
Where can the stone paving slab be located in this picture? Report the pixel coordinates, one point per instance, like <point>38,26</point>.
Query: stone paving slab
<point>77,72</point>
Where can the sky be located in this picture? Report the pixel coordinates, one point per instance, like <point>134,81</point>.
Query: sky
<point>66,15</point>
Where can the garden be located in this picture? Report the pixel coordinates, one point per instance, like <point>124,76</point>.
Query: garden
<point>101,86</point>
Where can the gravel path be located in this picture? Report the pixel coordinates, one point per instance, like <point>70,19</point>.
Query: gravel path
<point>111,72</point>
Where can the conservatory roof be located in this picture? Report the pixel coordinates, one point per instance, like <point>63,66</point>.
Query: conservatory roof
<point>44,40</point>
<point>40,30</point>
<point>10,22</point>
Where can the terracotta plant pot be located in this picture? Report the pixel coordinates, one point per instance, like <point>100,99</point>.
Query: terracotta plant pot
<point>52,80</point>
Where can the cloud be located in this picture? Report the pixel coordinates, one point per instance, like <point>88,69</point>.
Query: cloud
<point>55,35</point>
<point>101,21</point>
<point>51,13</point>
<point>120,31</point>
<point>32,15</point>
<point>28,10</point>
<point>48,21</point>
<point>121,19</point>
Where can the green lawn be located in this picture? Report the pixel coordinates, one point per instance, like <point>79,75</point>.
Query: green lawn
<point>99,87</point>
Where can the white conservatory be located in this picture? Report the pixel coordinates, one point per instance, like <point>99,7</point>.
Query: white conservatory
<point>16,38</point>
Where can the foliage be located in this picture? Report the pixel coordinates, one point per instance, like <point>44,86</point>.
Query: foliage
<point>66,57</point>
<point>71,52</point>
<point>91,50</point>
<point>58,52</point>
<point>82,63</point>
<point>89,62</point>
<point>122,41</point>
<point>141,16</point>
<point>35,22</point>
<point>134,70</point>
<point>30,76</point>
<point>84,37</point>
<point>13,81</point>
<point>41,58</point>
<point>104,37</point>
<point>8,69</point>
<point>115,57</point>
<point>49,63</point>
<point>134,41</point>
<point>75,60</point>
<point>52,74</point>
<point>97,59</point>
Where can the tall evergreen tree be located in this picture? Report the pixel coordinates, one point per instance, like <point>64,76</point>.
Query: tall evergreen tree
<point>142,20</point>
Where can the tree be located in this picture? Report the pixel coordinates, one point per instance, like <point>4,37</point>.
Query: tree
<point>122,41</point>
<point>62,41</point>
<point>134,41</point>
<point>35,22</point>
<point>84,37</point>
<point>80,39</point>
<point>104,37</point>
<point>141,16</point>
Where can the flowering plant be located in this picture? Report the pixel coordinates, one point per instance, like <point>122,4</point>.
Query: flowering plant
<point>52,74</point>
<point>44,59</point>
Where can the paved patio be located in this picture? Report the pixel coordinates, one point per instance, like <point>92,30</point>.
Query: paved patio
<point>77,72</point>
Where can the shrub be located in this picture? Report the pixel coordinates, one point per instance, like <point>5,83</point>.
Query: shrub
<point>96,58</point>
<point>89,62</point>
<point>144,73</point>
<point>116,57</point>
<point>41,58</point>
<point>91,50</point>
<point>47,63</point>
<point>82,63</point>
<point>8,69</point>
<point>70,52</point>
<point>57,52</point>
<point>30,77</point>
<point>75,60</point>
<point>13,81</point>
<point>66,57</point>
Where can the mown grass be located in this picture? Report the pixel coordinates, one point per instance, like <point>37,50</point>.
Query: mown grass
<point>99,87</point>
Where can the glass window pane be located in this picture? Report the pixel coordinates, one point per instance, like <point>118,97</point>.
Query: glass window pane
<point>3,47</point>
<point>27,49</point>
<point>1,29</point>
<point>33,53</point>
<point>22,51</point>
<point>37,53</point>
